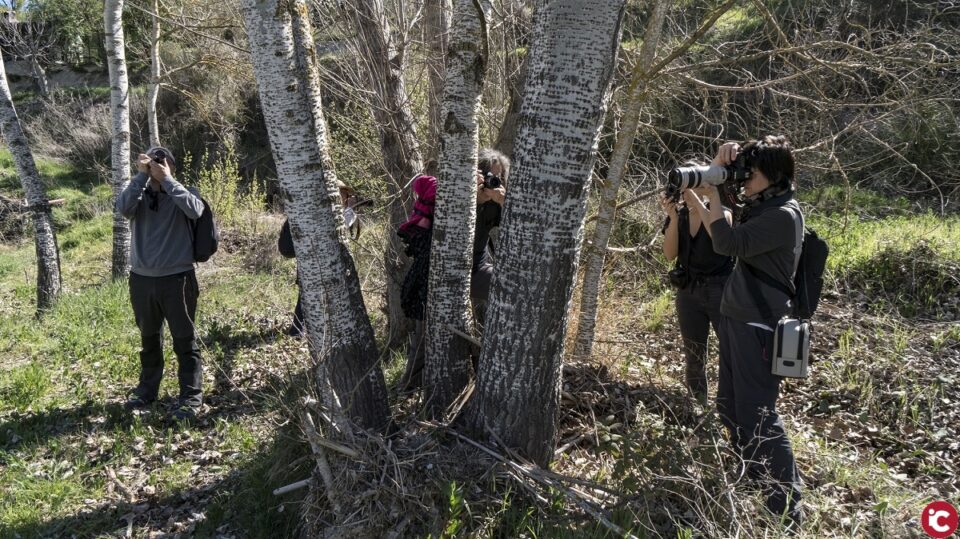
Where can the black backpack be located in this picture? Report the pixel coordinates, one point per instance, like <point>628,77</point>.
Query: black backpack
<point>206,234</point>
<point>808,280</point>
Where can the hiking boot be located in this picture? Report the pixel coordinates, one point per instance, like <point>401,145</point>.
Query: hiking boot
<point>185,413</point>
<point>136,402</point>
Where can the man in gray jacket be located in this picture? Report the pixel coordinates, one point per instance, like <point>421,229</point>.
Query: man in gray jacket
<point>768,239</point>
<point>163,285</point>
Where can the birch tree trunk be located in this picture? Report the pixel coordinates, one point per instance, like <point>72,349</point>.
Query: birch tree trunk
<point>120,112</point>
<point>398,142</point>
<point>436,36</point>
<point>340,336</point>
<point>446,369</point>
<point>153,88</point>
<point>48,254</point>
<point>573,57</point>
<point>597,249</point>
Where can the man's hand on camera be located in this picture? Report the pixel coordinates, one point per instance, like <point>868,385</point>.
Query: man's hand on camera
<point>159,171</point>
<point>484,194</point>
<point>727,154</point>
<point>143,163</point>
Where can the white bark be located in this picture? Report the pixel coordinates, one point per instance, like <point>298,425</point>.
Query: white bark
<point>398,141</point>
<point>597,249</point>
<point>573,57</point>
<point>340,336</point>
<point>446,369</point>
<point>48,255</point>
<point>120,112</point>
<point>153,88</point>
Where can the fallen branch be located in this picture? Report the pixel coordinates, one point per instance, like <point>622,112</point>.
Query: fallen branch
<point>463,335</point>
<point>530,473</point>
<point>323,467</point>
<point>127,493</point>
<point>292,487</point>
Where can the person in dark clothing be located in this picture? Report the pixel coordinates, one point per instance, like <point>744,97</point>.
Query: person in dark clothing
<point>417,233</point>
<point>769,238</point>
<point>698,300</point>
<point>489,211</point>
<point>163,285</point>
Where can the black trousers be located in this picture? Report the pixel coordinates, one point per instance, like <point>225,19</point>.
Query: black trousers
<point>698,307</point>
<point>747,403</point>
<point>417,346</point>
<point>172,298</point>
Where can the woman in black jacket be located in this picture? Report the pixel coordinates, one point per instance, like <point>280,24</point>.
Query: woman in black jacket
<point>699,278</point>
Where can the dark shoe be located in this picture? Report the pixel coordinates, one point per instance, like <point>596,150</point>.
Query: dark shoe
<point>295,332</point>
<point>136,402</point>
<point>185,412</point>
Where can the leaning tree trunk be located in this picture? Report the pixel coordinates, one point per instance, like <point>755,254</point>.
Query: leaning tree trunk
<point>48,255</point>
<point>572,60</point>
<point>446,369</point>
<point>597,249</point>
<point>435,36</point>
<point>153,88</point>
<point>40,76</point>
<point>120,112</point>
<point>339,333</point>
<point>398,143</point>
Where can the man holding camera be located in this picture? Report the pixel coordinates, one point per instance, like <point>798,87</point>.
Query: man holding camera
<point>163,285</point>
<point>768,239</point>
<point>494,167</point>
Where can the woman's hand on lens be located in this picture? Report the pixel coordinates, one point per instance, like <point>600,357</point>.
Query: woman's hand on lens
<point>669,206</point>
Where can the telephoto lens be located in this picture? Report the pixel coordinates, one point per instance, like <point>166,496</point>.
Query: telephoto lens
<point>160,156</point>
<point>491,181</point>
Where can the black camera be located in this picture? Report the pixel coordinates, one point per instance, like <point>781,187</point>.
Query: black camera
<point>159,156</point>
<point>491,181</point>
<point>694,176</point>
<point>679,277</point>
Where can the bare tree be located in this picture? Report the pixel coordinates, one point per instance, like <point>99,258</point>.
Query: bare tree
<point>446,370</point>
<point>153,87</point>
<point>48,254</point>
<point>595,252</point>
<point>31,41</point>
<point>120,111</point>
<point>436,30</point>
<point>402,159</point>
<point>341,338</point>
<point>571,65</point>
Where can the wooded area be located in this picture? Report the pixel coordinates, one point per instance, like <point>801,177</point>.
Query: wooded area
<point>491,414</point>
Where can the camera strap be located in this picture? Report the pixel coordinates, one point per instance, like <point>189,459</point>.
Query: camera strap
<point>683,238</point>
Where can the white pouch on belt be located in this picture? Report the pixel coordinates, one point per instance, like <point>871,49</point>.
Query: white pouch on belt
<point>791,348</point>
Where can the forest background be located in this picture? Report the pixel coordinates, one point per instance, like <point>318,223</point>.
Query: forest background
<point>866,90</point>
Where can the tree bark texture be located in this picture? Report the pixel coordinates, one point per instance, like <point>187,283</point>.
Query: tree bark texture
<point>153,88</point>
<point>120,112</point>
<point>40,76</point>
<point>339,333</point>
<point>436,35</point>
<point>573,57</point>
<point>398,142</point>
<point>48,254</point>
<point>597,249</point>
<point>446,370</point>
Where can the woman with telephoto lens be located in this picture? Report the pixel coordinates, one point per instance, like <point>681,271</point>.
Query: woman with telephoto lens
<point>699,276</point>
<point>767,243</point>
